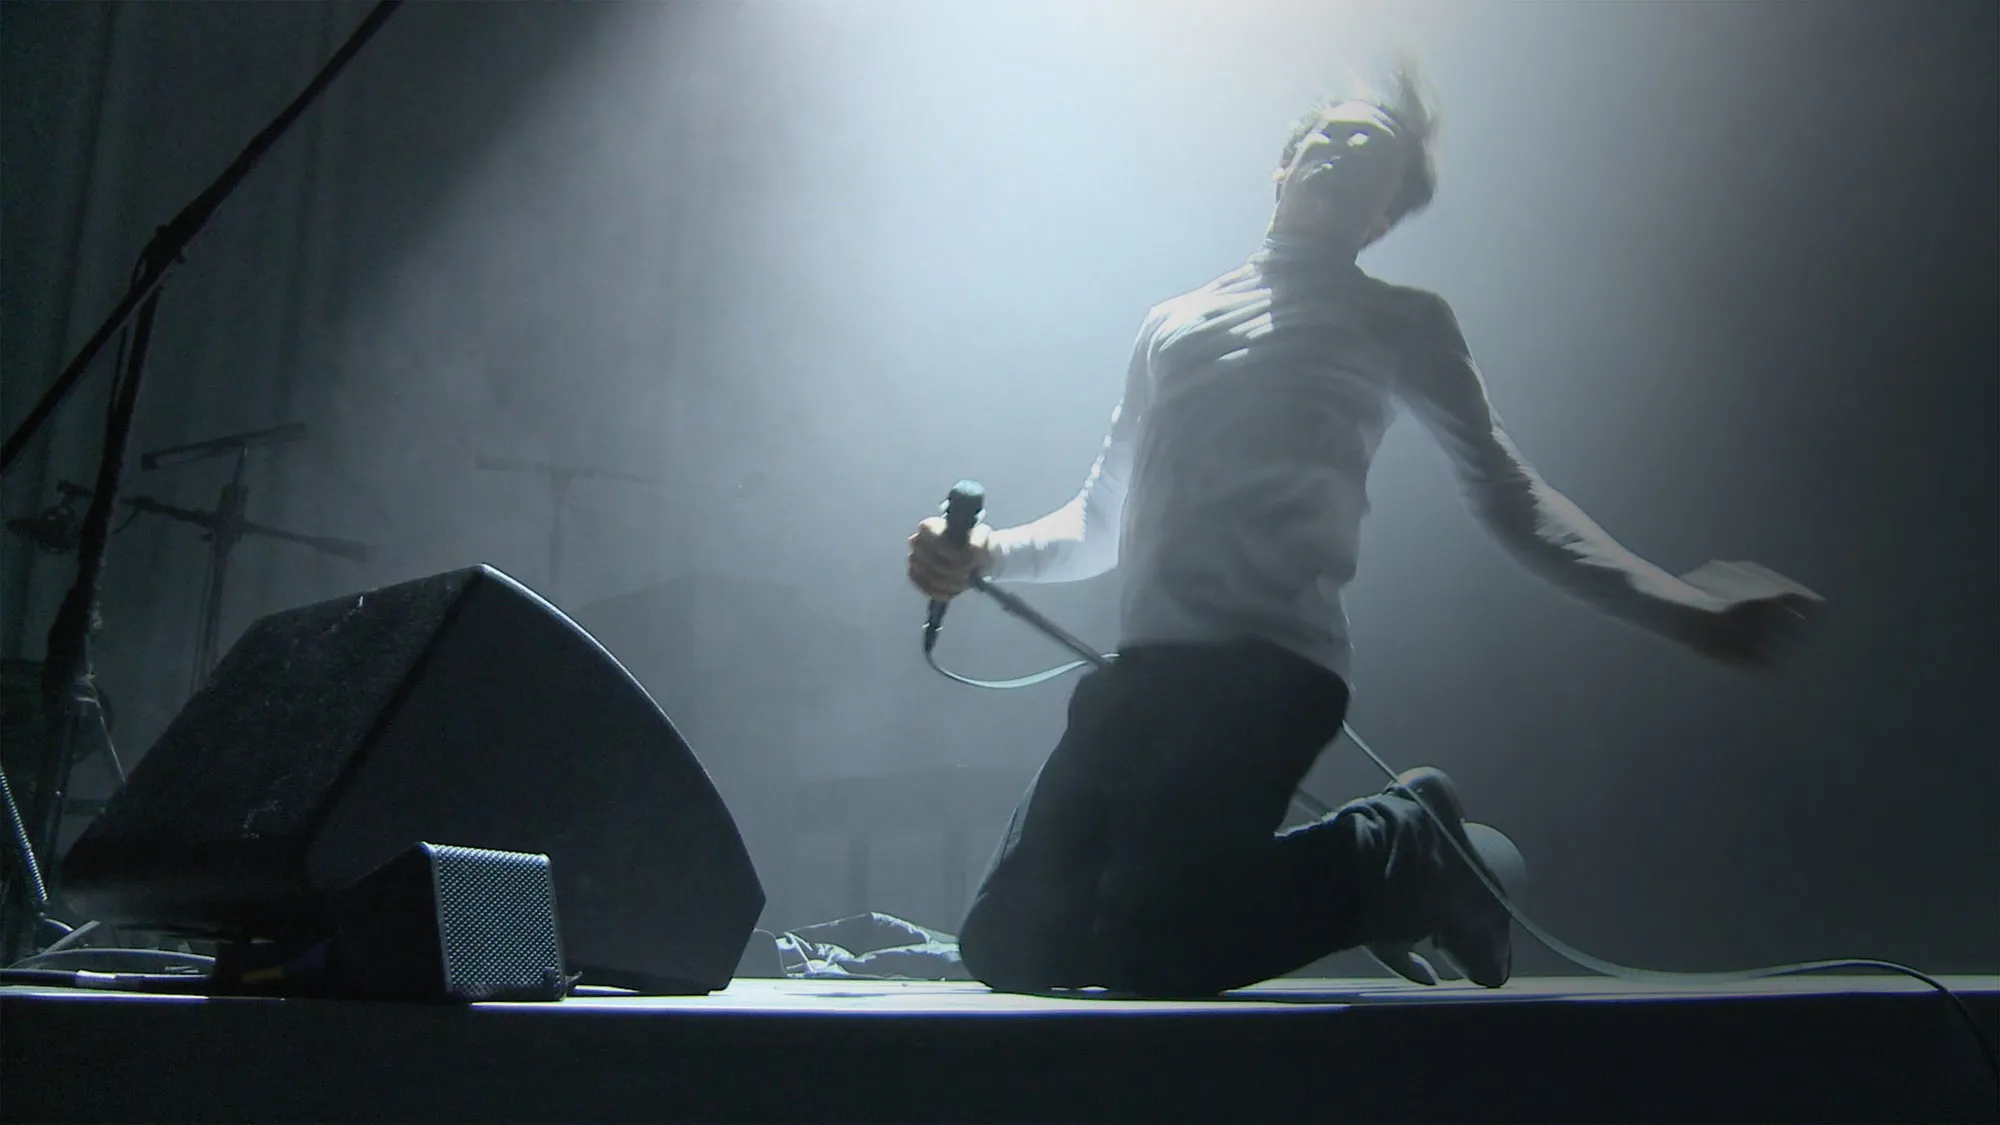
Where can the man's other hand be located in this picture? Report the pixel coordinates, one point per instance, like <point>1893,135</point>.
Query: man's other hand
<point>1755,633</point>
<point>1760,614</point>
<point>941,568</point>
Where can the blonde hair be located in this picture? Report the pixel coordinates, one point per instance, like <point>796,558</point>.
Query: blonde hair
<point>1406,99</point>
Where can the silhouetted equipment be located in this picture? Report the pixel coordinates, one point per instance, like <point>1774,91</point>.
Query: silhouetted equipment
<point>68,657</point>
<point>226,525</point>
<point>459,707</point>
<point>24,715</point>
<point>54,529</point>
<point>437,923</point>
<point>58,528</point>
<point>560,477</point>
<point>225,446</point>
<point>41,785</point>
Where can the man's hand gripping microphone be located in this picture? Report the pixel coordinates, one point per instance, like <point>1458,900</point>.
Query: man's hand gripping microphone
<point>962,510</point>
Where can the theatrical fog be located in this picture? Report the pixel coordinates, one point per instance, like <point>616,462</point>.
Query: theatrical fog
<point>1479,457</point>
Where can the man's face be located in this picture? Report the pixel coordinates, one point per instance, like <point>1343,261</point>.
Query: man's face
<point>1341,181</point>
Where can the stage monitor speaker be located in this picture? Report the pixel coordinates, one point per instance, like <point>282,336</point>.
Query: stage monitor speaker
<point>459,707</point>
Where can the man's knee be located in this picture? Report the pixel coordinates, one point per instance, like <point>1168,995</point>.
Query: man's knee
<point>1017,943</point>
<point>1151,957</point>
<point>1142,947</point>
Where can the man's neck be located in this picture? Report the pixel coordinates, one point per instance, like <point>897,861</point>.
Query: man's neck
<point>1292,247</point>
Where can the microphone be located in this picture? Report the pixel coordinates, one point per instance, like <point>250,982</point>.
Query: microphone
<point>962,510</point>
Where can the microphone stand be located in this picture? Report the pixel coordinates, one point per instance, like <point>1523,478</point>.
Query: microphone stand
<point>67,674</point>
<point>560,478</point>
<point>226,526</point>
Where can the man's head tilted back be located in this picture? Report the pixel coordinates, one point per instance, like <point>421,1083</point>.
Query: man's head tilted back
<point>1358,164</point>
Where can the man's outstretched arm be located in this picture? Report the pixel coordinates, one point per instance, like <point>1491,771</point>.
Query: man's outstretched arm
<point>1538,525</point>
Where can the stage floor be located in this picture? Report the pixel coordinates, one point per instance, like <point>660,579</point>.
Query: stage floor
<point>1817,1049</point>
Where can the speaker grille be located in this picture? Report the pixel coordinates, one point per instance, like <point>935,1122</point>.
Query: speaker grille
<point>497,918</point>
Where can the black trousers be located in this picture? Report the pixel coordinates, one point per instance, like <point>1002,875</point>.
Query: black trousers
<point>1145,856</point>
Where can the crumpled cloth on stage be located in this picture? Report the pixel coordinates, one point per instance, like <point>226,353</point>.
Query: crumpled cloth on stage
<point>870,946</point>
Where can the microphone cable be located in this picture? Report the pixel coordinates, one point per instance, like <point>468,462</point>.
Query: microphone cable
<point>1089,657</point>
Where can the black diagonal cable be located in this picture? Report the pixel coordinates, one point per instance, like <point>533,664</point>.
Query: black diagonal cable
<point>173,239</point>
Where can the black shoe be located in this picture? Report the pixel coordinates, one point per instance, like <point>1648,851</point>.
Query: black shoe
<point>1476,938</point>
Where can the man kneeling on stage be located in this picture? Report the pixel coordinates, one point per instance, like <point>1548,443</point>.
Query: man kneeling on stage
<point>1145,856</point>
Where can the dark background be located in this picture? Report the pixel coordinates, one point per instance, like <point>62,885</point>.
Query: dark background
<point>1731,271</point>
